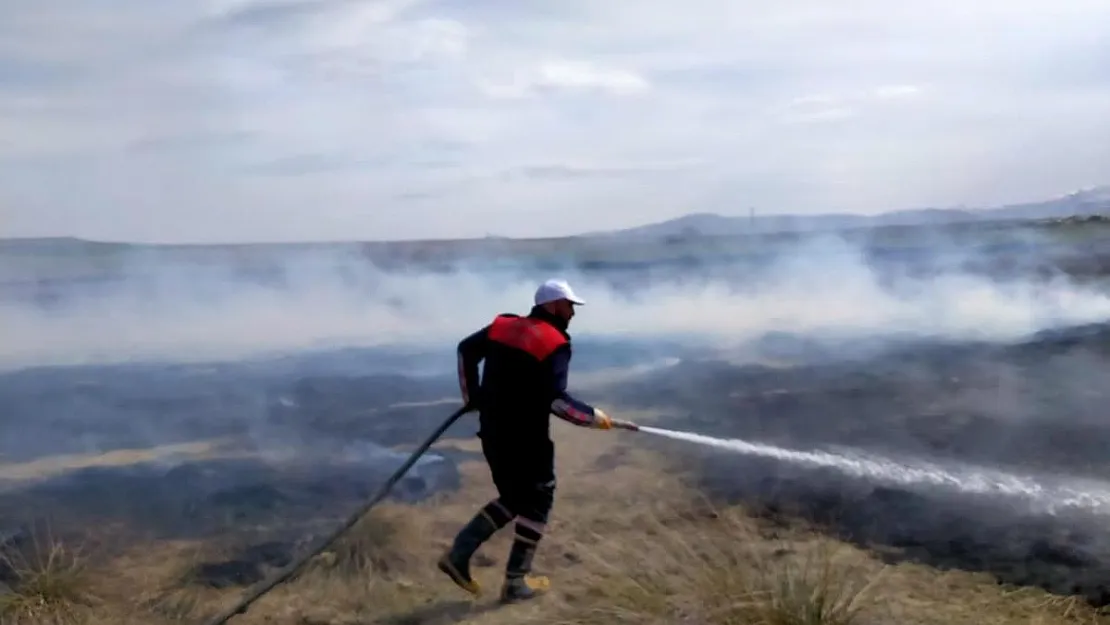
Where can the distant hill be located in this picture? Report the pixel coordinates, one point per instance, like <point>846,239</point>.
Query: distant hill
<point>1089,201</point>
<point>1086,202</point>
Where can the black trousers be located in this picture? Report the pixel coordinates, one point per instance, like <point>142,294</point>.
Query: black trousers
<point>523,472</point>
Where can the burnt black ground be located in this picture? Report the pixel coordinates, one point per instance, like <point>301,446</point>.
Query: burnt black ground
<point>302,444</point>
<point>1038,405</point>
<point>1032,406</point>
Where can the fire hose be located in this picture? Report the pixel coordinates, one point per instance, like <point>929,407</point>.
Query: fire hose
<point>256,593</point>
<point>295,566</point>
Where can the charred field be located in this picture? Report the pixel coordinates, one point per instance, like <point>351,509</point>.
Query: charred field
<point>156,400</point>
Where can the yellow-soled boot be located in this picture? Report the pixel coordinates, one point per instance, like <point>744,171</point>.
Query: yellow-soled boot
<point>524,588</point>
<point>456,562</point>
<point>520,584</point>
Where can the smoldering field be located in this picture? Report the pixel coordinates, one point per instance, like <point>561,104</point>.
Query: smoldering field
<point>202,391</point>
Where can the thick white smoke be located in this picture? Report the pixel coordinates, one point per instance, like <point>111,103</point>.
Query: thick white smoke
<point>188,312</point>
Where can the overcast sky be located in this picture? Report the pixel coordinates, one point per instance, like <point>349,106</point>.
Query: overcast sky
<point>218,120</point>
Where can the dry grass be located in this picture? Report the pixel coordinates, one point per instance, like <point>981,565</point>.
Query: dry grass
<point>378,544</point>
<point>716,568</point>
<point>626,545</point>
<point>49,582</point>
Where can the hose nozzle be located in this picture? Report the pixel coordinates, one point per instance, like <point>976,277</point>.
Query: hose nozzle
<point>625,425</point>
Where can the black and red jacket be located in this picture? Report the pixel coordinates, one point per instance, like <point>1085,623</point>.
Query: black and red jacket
<point>524,378</point>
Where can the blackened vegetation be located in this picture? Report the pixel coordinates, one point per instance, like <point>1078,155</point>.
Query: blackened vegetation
<point>246,566</point>
<point>264,511</point>
<point>1037,407</point>
<point>297,448</point>
<point>267,402</point>
<point>1030,407</point>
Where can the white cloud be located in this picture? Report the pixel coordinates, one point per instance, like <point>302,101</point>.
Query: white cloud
<point>897,91</point>
<point>826,107</point>
<point>284,119</point>
<point>569,75</point>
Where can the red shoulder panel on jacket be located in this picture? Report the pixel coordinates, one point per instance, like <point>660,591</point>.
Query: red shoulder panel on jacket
<point>532,336</point>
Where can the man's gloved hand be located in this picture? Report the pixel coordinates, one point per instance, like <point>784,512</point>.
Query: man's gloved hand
<point>602,420</point>
<point>475,403</point>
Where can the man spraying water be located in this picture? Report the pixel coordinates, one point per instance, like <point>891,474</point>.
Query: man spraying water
<point>526,360</point>
<point>524,380</point>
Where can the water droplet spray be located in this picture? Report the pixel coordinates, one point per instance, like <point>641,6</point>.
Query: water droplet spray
<point>1048,495</point>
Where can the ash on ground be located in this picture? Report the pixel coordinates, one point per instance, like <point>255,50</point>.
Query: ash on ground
<point>1031,408</point>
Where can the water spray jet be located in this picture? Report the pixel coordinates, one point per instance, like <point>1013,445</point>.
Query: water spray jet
<point>1047,495</point>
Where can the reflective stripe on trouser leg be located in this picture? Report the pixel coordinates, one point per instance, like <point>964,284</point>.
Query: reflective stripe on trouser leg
<point>528,535</point>
<point>485,523</point>
<point>497,513</point>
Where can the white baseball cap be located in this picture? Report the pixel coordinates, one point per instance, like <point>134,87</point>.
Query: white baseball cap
<point>554,290</point>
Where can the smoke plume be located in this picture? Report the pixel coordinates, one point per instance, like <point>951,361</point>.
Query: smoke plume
<point>161,307</point>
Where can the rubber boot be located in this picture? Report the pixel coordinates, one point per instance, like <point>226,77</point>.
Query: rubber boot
<point>524,588</point>
<point>456,562</point>
<point>520,584</point>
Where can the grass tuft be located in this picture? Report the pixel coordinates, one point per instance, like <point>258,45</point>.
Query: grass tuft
<point>812,589</point>
<point>718,570</point>
<point>49,583</point>
<point>378,544</point>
